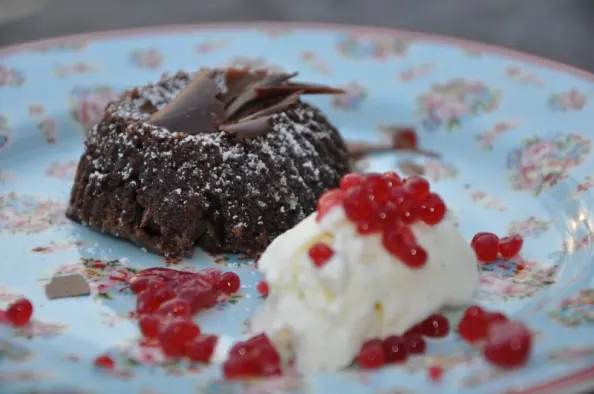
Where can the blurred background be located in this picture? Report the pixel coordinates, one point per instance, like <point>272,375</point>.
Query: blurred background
<point>559,29</point>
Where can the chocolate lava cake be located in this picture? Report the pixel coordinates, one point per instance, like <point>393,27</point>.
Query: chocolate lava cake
<point>223,159</point>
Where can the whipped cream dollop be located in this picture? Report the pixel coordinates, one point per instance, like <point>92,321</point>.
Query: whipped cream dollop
<point>324,314</point>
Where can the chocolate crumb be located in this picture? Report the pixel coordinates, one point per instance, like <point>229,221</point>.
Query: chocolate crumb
<point>67,286</point>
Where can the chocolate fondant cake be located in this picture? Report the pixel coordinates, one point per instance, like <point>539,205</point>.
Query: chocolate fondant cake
<point>224,159</point>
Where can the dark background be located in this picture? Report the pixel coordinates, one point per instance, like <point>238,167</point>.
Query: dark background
<point>559,29</point>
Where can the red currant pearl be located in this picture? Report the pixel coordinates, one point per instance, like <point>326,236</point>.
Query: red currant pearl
<point>435,326</point>
<point>508,345</point>
<point>175,307</point>
<point>320,253</point>
<point>415,343</point>
<point>229,283</point>
<point>406,139</point>
<point>174,336</point>
<point>104,362</point>
<point>396,349</point>
<point>19,312</point>
<point>263,288</point>
<point>418,187</point>
<point>510,246</point>
<point>472,326</point>
<point>393,179</point>
<point>201,348</point>
<point>357,205</point>
<point>350,180</point>
<point>477,236</point>
<point>372,355</point>
<point>433,209</point>
<point>149,326</point>
<point>327,201</point>
<point>486,248</point>
<point>378,187</point>
<point>415,257</point>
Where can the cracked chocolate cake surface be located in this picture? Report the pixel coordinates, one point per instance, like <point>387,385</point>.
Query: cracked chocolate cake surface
<point>222,159</point>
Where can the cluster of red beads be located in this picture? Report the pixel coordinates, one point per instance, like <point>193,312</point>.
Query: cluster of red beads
<point>375,353</point>
<point>166,301</point>
<point>256,357</point>
<point>488,247</point>
<point>505,343</point>
<point>18,313</point>
<point>387,205</point>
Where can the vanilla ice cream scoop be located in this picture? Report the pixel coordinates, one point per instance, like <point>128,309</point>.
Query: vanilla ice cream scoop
<point>325,313</point>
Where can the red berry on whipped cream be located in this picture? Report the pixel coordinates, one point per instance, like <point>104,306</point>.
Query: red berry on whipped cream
<point>381,239</point>
<point>320,254</point>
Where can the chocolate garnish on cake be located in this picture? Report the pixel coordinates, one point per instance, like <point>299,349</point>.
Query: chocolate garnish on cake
<point>240,102</point>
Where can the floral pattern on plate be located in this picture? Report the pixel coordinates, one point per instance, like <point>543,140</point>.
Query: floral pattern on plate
<point>516,158</point>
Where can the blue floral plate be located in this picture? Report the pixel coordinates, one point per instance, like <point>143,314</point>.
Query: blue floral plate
<point>516,135</point>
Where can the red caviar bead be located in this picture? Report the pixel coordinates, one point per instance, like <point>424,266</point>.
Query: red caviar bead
<point>357,205</point>
<point>149,326</point>
<point>175,307</point>
<point>435,326</point>
<point>372,355</point>
<point>201,348</point>
<point>508,344</point>
<point>473,325</point>
<point>242,367</point>
<point>415,256</point>
<point>19,312</point>
<point>405,139</point>
<point>486,248</point>
<point>433,209</point>
<point>409,211</point>
<point>104,362</point>
<point>510,246</point>
<point>393,179</point>
<point>329,200</point>
<point>149,300</point>
<point>229,283</point>
<point>174,336</point>
<point>385,215</point>
<point>418,187</point>
<point>377,186</point>
<point>435,374</point>
<point>365,227</point>
<point>320,253</point>
<point>350,180</point>
<point>263,288</point>
<point>415,343</point>
<point>396,349</point>
<point>477,236</point>
<point>140,283</point>
<point>397,195</point>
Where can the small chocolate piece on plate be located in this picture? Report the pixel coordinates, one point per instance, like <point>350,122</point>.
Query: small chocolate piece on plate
<point>67,286</point>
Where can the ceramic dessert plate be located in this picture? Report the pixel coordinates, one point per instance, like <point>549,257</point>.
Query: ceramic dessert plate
<point>515,134</point>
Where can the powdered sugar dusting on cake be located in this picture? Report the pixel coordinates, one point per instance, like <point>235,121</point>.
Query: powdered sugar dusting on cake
<point>238,182</point>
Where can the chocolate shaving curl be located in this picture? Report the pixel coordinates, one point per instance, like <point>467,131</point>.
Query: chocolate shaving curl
<point>239,102</point>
